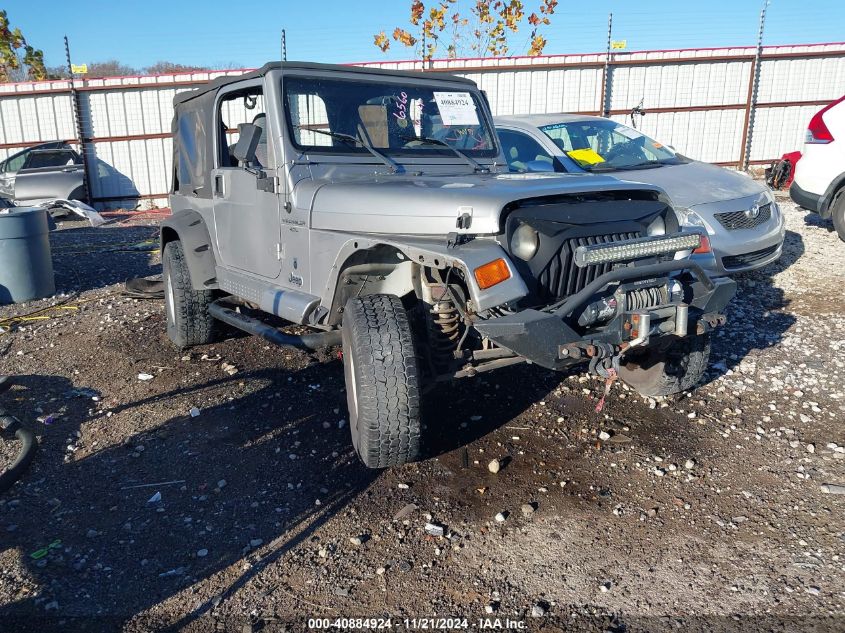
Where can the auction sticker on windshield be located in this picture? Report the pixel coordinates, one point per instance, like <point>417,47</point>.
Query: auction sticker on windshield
<point>456,108</point>
<point>585,156</point>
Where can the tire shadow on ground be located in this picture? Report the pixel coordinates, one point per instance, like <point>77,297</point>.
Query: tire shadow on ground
<point>243,505</point>
<point>458,414</point>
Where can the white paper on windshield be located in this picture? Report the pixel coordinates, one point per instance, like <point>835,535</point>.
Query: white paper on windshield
<point>628,132</point>
<point>456,108</point>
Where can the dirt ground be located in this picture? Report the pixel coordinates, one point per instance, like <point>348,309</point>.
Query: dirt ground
<point>704,512</point>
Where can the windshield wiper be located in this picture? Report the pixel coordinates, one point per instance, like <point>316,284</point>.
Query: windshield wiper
<point>395,167</point>
<point>646,165</point>
<point>608,167</point>
<point>599,167</point>
<point>436,141</point>
<point>355,142</point>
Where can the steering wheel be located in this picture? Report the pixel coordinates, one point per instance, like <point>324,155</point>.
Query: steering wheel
<point>625,150</point>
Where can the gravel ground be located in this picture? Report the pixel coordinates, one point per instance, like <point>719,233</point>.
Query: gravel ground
<point>222,493</point>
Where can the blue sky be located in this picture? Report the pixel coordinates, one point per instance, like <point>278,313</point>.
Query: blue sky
<point>222,33</point>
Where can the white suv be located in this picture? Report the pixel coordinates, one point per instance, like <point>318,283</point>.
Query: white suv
<point>819,183</point>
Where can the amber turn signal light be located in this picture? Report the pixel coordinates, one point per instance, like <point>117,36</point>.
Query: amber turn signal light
<point>705,245</point>
<point>492,273</point>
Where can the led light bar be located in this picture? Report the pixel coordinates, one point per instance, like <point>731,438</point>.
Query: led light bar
<point>635,249</point>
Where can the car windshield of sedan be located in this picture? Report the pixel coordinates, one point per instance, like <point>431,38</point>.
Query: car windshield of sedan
<point>347,116</point>
<point>604,145</point>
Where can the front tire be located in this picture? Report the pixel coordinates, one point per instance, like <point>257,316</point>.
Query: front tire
<point>669,368</point>
<point>382,381</point>
<point>186,309</point>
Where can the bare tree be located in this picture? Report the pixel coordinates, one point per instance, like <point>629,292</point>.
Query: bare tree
<point>110,68</point>
<point>165,67</point>
<point>58,72</point>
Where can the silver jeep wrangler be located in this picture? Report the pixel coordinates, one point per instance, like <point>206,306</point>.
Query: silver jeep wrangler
<point>375,208</point>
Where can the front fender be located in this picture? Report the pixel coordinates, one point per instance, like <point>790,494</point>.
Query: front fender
<point>189,227</point>
<point>436,254</point>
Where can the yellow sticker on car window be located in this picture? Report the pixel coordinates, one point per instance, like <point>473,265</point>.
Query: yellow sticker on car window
<point>588,156</point>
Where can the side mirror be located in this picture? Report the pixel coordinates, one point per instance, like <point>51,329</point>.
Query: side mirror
<point>536,166</point>
<point>248,137</point>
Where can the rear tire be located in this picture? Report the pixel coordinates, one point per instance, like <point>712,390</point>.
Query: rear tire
<point>837,214</point>
<point>667,369</point>
<point>186,309</point>
<point>382,381</point>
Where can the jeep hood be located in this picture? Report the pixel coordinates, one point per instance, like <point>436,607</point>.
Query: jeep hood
<point>431,205</point>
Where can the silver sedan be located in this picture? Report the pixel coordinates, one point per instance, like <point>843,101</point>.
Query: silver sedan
<point>740,215</point>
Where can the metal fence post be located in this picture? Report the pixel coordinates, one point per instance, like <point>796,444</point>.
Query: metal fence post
<point>80,136</point>
<point>604,110</point>
<point>753,87</point>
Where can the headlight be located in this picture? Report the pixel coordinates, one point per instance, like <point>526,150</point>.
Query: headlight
<point>688,217</point>
<point>524,242</point>
<point>770,198</point>
<point>657,227</point>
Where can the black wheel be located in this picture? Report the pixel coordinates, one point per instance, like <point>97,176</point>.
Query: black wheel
<point>675,366</point>
<point>188,320</point>
<point>837,214</point>
<point>382,381</point>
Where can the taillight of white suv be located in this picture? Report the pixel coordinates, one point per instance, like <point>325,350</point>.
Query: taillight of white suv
<point>819,183</point>
<point>817,132</point>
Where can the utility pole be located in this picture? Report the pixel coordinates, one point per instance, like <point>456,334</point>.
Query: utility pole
<point>284,46</point>
<point>605,83</point>
<point>755,85</point>
<point>77,115</point>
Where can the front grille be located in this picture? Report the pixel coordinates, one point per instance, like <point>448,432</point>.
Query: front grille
<point>561,277</point>
<point>743,219</point>
<point>747,259</point>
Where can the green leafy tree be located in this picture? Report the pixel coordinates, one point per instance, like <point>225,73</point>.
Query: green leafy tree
<point>486,29</point>
<point>18,60</point>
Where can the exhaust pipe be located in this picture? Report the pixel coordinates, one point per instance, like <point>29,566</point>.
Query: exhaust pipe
<point>222,311</point>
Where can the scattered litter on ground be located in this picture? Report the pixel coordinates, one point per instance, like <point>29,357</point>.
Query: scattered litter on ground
<point>154,485</point>
<point>433,529</point>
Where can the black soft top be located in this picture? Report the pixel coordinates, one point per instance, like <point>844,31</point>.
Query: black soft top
<point>215,84</point>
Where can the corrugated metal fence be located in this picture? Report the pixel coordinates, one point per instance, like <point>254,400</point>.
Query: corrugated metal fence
<point>696,100</point>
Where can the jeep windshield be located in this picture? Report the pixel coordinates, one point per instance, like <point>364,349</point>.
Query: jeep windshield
<point>396,119</point>
<point>604,145</point>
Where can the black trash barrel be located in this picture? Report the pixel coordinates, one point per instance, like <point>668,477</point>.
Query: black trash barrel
<point>26,265</point>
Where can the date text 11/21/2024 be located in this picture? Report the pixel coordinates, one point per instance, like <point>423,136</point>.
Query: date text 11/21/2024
<point>418,624</point>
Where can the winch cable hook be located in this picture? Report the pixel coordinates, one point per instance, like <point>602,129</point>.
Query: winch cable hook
<point>607,368</point>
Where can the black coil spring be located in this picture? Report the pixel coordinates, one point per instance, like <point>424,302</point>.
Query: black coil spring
<point>643,298</point>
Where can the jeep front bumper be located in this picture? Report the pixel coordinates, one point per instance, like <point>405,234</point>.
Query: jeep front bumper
<point>552,338</point>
